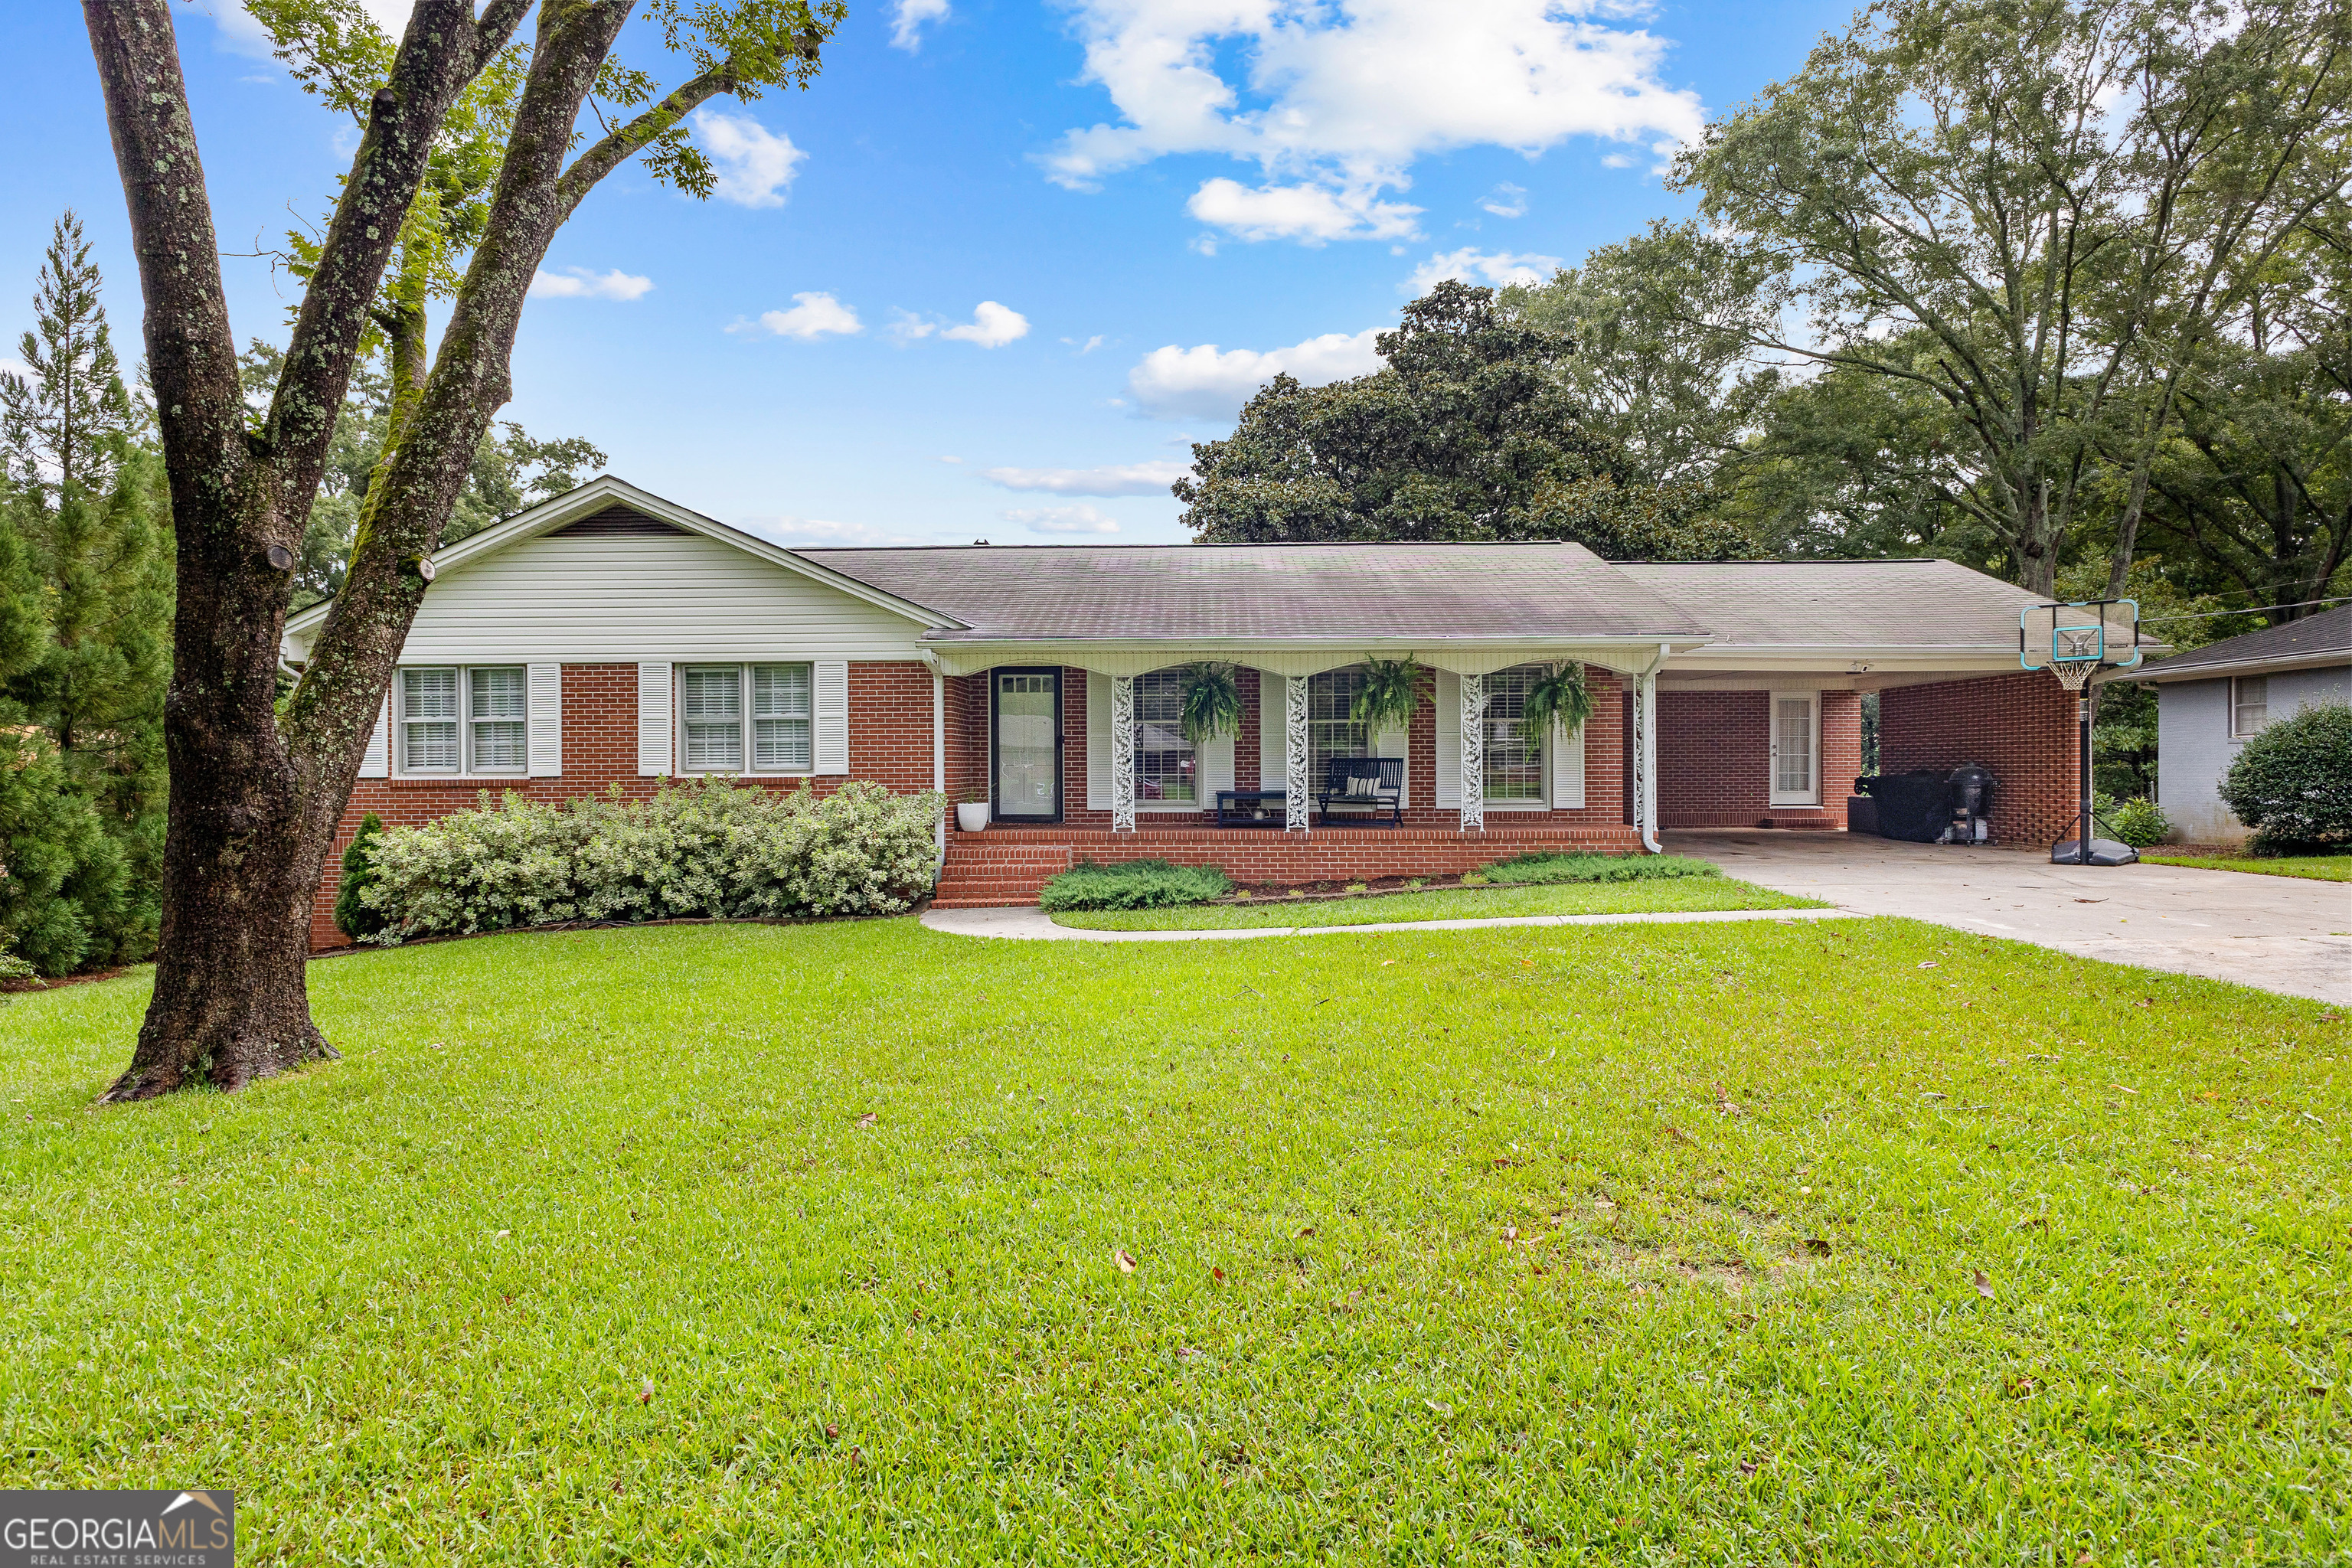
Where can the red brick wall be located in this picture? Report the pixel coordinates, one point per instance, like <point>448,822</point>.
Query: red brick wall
<point>1715,761</point>
<point>1249,741</point>
<point>2020,726</point>
<point>889,740</point>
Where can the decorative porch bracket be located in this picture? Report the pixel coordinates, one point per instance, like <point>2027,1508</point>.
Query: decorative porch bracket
<point>1298,758</point>
<point>1473,753</point>
<point>1122,753</point>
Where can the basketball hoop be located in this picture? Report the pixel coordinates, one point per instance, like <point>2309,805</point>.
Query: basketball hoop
<point>2075,642</point>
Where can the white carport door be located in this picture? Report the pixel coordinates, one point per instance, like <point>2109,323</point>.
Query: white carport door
<point>1796,749</point>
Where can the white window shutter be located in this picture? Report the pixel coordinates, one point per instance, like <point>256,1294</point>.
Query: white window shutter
<point>1272,730</point>
<point>832,711</point>
<point>1216,768</point>
<point>1397,744</point>
<point>1098,741</point>
<point>655,737</point>
<point>1567,767</point>
<point>375,762</point>
<point>1449,741</point>
<point>545,711</point>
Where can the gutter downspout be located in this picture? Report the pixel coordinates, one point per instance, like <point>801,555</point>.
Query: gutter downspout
<point>1645,741</point>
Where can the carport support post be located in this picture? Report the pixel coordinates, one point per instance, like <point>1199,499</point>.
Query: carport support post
<point>1645,755</point>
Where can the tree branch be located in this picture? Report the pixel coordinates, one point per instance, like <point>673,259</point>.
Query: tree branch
<point>613,150</point>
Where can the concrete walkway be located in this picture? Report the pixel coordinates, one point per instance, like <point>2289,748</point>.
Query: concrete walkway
<point>2285,934</point>
<point>1034,924</point>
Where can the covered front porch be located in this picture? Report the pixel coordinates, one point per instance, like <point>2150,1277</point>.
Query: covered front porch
<point>1089,760</point>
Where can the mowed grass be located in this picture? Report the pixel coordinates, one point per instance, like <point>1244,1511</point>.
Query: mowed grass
<point>2318,867</point>
<point>1448,904</point>
<point>1613,1244</point>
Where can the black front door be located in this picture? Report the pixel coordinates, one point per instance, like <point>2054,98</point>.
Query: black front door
<point>1025,730</point>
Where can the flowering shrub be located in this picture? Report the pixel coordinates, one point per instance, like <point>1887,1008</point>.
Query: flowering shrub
<point>709,849</point>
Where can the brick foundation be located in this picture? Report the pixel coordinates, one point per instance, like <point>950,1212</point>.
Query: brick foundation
<point>2020,726</point>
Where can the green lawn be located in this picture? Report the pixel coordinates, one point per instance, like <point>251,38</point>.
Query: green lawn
<point>1448,904</point>
<point>1607,1244</point>
<point>2318,867</point>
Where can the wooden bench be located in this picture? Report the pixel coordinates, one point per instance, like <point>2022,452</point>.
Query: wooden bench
<point>1362,789</point>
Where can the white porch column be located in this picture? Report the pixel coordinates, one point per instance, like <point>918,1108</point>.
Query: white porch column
<point>1298,760</point>
<point>1122,753</point>
<point>1645,757</point>
<point>939,756</point>
<point>1473,753</point>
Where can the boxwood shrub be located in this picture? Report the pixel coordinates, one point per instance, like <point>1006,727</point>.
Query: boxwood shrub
<point>1134,885</point>
<point>2292,783</point>
<point>1565,868</point>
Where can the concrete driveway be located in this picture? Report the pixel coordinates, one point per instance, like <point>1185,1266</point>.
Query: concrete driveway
<point>2280,934</point>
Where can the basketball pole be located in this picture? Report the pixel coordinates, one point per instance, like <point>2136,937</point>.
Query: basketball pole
<point>2083,776</point>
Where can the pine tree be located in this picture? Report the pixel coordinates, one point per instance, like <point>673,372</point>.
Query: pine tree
<point>84,608</point>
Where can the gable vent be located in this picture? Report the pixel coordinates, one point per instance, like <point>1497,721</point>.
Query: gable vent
<point>614,520</point>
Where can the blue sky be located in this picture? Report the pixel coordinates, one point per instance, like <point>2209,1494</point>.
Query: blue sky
<point>996,271</point>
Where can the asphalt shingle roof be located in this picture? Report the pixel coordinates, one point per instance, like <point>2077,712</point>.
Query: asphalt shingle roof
<point>1840,604</point>
<point>2330,631</point>
<point>1176,592</point>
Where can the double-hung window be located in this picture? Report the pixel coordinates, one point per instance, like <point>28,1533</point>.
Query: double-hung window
<point>1330,733</point>
<point>747,718</point>
<point>2249,705</point>
<point>1166,771</point>
<point>1513,765</point>
<point>464,720</point>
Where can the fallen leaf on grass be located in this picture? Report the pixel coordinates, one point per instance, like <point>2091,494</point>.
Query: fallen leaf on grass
<point>1984,1286</point>
<point>1125,1259</point>
<point>1386,962</point>
<point>869,1119</point>
<point>1818,1246</point>
<point>1306,1230</point>
<point>1929,964</point>
<point>1218,1275</point>
<point>1677,1134</point>
<point>2125,1090</point>
<point>646,1392</point>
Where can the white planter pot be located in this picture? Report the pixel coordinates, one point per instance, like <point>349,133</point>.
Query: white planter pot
<point>972,815</point>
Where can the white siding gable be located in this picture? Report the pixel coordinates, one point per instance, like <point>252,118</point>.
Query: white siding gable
<point>635,598</point>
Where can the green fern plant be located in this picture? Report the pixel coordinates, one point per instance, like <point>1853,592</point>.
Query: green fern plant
<point>1211,703</point>
<point>1557,696</point>
<point>1389,696</point>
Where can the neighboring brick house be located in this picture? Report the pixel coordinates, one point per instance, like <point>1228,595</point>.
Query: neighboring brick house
<point>612,639</point>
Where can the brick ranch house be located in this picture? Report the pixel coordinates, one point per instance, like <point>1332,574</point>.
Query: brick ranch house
<point>611,636</point>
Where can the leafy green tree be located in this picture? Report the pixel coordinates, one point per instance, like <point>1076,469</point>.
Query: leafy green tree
<point>68,891</point>
<point>2033,211</point>
<point>473,153</point>
<point>1468,432</point>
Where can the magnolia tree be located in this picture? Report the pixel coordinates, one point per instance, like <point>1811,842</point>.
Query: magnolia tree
<point>476,146</point>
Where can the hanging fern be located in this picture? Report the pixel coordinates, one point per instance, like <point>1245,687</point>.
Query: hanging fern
<point>1557,696</point>
<point>1390,694</point>
<point>1212,700</point>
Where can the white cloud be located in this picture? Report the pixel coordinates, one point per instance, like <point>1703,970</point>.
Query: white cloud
<point>580,283</point>
<point>755,164</point>
<point>1120,479</point>
<point>907,23</point>
<point>1308,213</point>
<point>1087,347</point>
<point>992,326</point>
<point>241,35</point>
<point>1080,519</point>
<point>1506,200</point>
<point>1499,268</point>
<point>814,532</point>
<point>1343,95</point>
<point>813,316</point>
<point>1200,383</point>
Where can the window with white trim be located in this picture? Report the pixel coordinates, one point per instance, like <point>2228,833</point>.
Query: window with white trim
<point>463,720</point>
<point>2249,705</point>
<point>1331,732</point>
<point>746,718</point>
<point>1166,770</point>
<point>1514,767</point>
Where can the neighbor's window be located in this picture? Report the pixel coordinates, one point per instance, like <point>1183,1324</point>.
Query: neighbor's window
<point>1329,731</point>
<point>1164,762</point>
<point>716,700</point>
<point>2250,704</point>
<point>1514,768</point>
<point>465,721</point>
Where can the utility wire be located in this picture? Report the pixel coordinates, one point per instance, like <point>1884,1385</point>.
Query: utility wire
<point>2256,610</point>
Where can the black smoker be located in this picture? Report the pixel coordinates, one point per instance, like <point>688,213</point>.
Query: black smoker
<point>1931,805</point>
